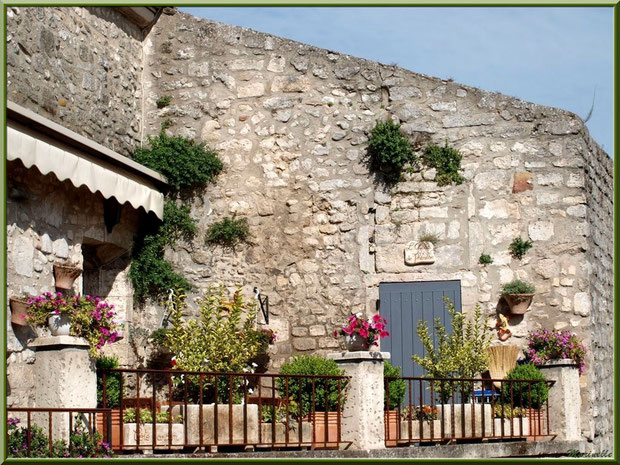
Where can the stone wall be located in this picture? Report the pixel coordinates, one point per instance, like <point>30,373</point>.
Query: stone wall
<point>291,122</point>
<point>53,226</point>
<point>599,184</point>
<point>80,67</point>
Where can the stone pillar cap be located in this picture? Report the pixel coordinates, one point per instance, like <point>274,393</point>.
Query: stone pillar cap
<point>559,362</point>
<point>48,341</point>
<point>359,356</point>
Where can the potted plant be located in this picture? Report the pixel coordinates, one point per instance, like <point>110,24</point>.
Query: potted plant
<point>530,396</point>
<point>65,275</point>
<point>112,398</point>
<point>360,332</point>
<point>320,397</point>
<point>19,309</point>
<point>518,295</point>
<point>544,346</point>
<point>396,390</point>
<point>51,309</point>
<point>81,316</point>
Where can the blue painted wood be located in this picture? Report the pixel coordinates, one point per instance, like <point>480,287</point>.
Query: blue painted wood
<point>404,305</point>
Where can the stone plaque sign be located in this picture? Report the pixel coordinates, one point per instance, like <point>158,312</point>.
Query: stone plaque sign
<point>419,253</point>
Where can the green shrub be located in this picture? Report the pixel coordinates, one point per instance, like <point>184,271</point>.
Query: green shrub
<point>113,382</point>
<point>429,237</point>
<point>311,365</point>
<point>519,247</point>
<point>521,390</point>
<point>459,354</point>
<point>518,287</point>
<point>446,160</point>
<point>389,150</point>
<point>185,164</point>
<point>228,231</point>
<point>396,387</point>
<point>220,340</point>
<point>163,101</point>
<point>485,259</point>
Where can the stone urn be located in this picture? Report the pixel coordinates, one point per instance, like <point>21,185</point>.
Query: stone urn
<point>59,324</point>
<point>65,275</point>
<point>355,342</point>
<point>518,303</point>
<point>19,308</point>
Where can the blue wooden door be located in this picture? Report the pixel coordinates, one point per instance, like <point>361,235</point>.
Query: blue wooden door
<point>404,305</point>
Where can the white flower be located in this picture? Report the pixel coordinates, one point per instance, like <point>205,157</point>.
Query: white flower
<point>358,314</point>
<point>254,365</point>
<point>250,391</point>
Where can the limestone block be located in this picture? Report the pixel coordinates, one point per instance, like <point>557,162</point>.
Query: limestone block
<point>162,439</point>
<point>290,84</point>
<point>541,230</point>
<point>224,413</point>
<point>255,89</point>
<point>522,182</point>
<point>276,64</point>
<point>491,180</point>
<point>582,303</point>
<point>245,64</point>
<point>22,256</point>
<point>419,253</point>
<point>501,209</point>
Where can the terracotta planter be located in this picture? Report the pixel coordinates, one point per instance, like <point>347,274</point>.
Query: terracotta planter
<point>19,308</point>
<point>392,423</point>
<point>65,275</point>
<point>113,436</point>
<point>518,303</point>
<point>537,422</point>
<point>355,343</point>
<point>319,423</point>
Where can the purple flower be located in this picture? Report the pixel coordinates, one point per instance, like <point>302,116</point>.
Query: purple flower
<point>13,421</point>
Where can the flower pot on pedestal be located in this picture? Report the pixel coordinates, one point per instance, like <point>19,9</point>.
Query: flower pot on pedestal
<point>518,303</point>
<point>59,324</point>
<point>355,342</point>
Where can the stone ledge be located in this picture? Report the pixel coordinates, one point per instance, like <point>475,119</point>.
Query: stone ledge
<point>51,341</point>
<point>360,356</point>
<point>561,362</point>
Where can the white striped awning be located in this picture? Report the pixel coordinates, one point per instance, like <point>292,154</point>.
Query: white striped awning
<point>65,161</point>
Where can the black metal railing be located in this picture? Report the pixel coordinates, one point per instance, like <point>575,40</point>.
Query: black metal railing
<point>448,409</point>
<point>177,410</point>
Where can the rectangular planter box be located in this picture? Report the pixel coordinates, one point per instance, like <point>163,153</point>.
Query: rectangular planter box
<point>192,420</point>
<point>130,436</point>
<point>293,434</point>
<point>114,437</point>
<point>318,418</point>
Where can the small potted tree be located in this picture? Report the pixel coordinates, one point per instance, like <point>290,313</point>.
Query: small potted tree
<point>396,388</point>
<point>518,295</point>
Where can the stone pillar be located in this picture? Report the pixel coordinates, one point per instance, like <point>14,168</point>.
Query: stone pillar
<point>65,377</point>
<point>564,399</point>
<point>362,415</point>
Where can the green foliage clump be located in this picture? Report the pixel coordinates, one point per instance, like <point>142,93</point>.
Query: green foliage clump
<point>220,340</point>
<point>163,101</point>
<point>519,247</point>
<point>185,164</point>
<point>112,382</point>
<point>429,237</point>
<point>389,150</point>
<point>518,287</point>
<point>313,365</point>
<point>521,390</point>
<point>446,160</point>
<point>485,259</point>
<point>228,231</point>
<point>459,354</point>
<point>146,416</point>
<point>504,410</point>
<point>21,444</point>
<point>396,387</point>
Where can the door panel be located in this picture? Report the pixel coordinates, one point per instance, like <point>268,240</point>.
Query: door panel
<point>403,305</point>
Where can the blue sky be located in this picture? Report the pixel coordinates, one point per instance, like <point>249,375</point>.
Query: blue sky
<point>551,56</point>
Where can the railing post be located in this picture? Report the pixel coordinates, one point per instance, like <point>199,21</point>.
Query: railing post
<point>564,399</point>
<point>362,415</point>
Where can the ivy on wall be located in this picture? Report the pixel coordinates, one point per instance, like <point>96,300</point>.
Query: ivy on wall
<point>188,167</point>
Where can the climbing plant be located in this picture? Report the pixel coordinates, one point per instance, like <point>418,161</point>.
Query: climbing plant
<point>187,167</point>
<point>228,232</point>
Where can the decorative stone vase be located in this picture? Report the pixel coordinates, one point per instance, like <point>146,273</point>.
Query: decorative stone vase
<point>355,343</point>
<point>60,325</point>
<point>65,275</point>
<point>19,308</point>
<point>518,303</point>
